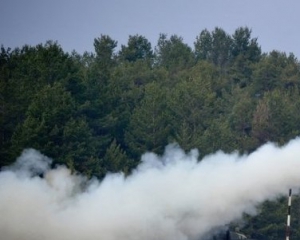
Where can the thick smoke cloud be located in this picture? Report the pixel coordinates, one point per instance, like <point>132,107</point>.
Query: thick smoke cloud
<point>173,196</point>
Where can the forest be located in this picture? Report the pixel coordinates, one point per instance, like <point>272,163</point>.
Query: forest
<point>99,112</point>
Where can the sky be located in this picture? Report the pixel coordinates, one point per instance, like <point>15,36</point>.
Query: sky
<point>74,24</point>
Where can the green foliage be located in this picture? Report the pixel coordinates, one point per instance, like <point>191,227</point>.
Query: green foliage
<point>224,50</point>
<point>5,106</point>
<point>115,159</point>
<point>224,94</point>
<point>214,47</point>
<point>82,147</point>
<point>25,72</point>
<point>243,45</point>
<point>138,47</point>
<point>275,71</point>
<point>104,48</point>
<point>104,60</point>
<point>240,119</point>
<point>191,105</point>
<point>218,136</point>
<point>45,120</point>
<point>173,53</point>
<point>276,117</point>
<point>148,126</point>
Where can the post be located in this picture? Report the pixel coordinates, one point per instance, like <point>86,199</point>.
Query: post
<point>289,215</point>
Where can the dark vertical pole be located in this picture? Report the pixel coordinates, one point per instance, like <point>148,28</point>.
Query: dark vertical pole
<point>289,215</point>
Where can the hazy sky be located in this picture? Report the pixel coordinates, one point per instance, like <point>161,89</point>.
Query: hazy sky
<point>75,23</point>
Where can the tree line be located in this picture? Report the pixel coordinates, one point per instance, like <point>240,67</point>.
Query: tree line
<point>98,112</point>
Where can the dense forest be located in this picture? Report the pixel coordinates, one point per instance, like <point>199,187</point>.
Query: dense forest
<point>99,112</point>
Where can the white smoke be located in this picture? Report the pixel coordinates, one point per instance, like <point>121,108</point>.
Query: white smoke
<point>173,196</point>
<point>30,163</point>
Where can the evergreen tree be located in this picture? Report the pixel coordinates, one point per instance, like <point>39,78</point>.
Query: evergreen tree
<point>115,159</point>
<point>6,107</point>
<point>192,103</point>
<point>45,119</point>
<point>243,44</point>
<point>127,88</point>
<point>138,48</point>
<point>276,117</point>
<point>214,47</point>
<point>173,53</point>
<point>79,149</point>
<point>148,129</point>
<point>97,105</point>
<point>240,118</point>
<point>245,52</point>
<point>25,72</point>
<point>203,46</point>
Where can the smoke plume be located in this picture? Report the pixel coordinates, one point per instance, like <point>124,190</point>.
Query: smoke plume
<point>173,196</point>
